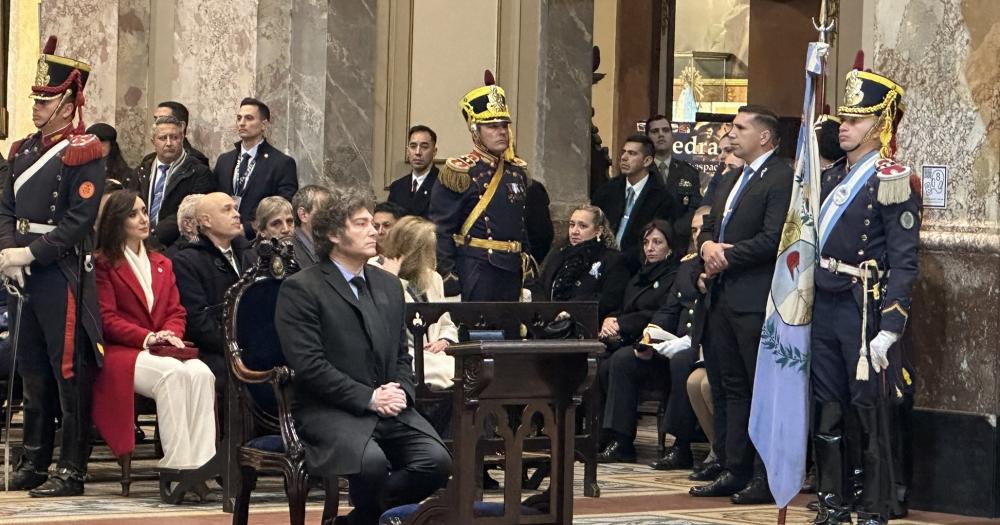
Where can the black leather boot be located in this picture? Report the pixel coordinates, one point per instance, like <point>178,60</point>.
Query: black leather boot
<point>63,482</point>
<point>27,476</point>
<point>831,510</point>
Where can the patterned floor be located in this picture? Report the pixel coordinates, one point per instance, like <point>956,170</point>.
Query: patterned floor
<point>631,494</point>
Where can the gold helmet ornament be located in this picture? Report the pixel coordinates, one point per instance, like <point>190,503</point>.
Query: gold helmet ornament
<point>487,104</point>
<point>868,93</point>
<point>60,77</point>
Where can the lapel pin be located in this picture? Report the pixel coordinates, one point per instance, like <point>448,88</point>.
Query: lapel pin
<point>265,155</point>
<point>656,284</point>
<point>160,269</point>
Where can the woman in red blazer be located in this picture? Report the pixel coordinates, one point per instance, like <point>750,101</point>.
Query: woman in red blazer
<point>140,306</point>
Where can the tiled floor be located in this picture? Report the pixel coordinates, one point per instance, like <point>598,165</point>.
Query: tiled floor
<point>630,494</point>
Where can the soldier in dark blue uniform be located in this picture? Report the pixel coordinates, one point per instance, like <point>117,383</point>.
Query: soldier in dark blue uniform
<point>479,205</point>
<point>47,215</point>
<point>868,233</point>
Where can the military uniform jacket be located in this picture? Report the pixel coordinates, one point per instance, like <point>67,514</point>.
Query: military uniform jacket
<point>63,193</point>
<point>461,184</point>
<point>683,183</point>
<point>680,314</point>
<point>870,230</point>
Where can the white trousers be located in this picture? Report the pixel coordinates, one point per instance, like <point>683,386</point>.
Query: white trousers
<point>184,392</point>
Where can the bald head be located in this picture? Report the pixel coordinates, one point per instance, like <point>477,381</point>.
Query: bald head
<point>218,218</point>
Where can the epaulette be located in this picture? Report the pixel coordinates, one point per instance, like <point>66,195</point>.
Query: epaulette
<point>13,149</point>
<point>81,150</point>
<point>893,181</point>
<point>519,162</point>
<point>454,174</point>
<point>688,257</point>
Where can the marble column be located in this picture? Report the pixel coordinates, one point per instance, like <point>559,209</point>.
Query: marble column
<point>132,116</point>
<point>73,22</point>
<point>349,104</point>
<point>945,54</point>
<point>562,133</point>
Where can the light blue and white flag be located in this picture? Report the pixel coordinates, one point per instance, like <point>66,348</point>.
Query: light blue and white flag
<point>779,414</point>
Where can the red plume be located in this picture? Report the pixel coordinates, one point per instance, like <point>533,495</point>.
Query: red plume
<point>50,46</point>
<point>859,60</point>
<point>488,79</point>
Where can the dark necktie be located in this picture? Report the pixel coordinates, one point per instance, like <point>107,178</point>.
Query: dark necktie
<point>241,177</point>
<point>158,186</point>
<point>413,190</point>
<point>370,315</point>
<point>731,203</point>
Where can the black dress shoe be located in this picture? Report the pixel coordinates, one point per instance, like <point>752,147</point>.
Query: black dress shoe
<point>726,484</point>
<point>707,473</point>
<point>63,483</point>
<point>755,493</point>
<point>677,458</point>
<point>27,478</point>
<point>870,519</point>
<point>617,452</point>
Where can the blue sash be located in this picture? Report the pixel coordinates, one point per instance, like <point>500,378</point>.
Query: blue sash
<point>841,197</point>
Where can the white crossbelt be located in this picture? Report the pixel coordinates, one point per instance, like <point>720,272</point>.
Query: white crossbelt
<point>835,266</point>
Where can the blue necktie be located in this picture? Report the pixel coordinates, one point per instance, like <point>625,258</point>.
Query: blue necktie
<point>158,187</point>
<point>629,202</point>
<point>744,179</point>
<point>241,178</point>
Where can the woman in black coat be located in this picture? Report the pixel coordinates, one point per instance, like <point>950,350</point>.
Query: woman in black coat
<point>646,292</point>
<point>626,369</point>
<point>587,269</point>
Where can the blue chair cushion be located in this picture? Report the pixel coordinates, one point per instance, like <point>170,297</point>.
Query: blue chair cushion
<point>270,443</point>
<point>480,509</point>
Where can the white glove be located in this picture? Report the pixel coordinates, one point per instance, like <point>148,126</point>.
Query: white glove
<point>15,257</point>
<point>879,349</point>
<point>16,274</point>
<point>669,349</point>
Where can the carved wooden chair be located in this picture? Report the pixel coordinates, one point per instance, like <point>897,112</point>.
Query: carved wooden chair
<point>259,432</point>
<point>517,321</point>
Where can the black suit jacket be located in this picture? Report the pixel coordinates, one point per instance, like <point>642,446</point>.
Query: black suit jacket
<point>754,230</point>
<point>328,342</point>
<point>274,173</point>
<point>653,203</point>
<point>191,177</point>
<point>203,276</point>
<point>414,203</point>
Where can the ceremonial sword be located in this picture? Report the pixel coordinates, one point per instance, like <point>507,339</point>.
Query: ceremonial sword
<point>21,298</point>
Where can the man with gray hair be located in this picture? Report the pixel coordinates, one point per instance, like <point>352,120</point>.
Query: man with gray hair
<point>305,202</point>
<point>165,178</point>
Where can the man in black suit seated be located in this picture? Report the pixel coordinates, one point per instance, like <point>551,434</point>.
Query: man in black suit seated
<point>304,204</point>
<point>254,169</point>
<point>634,198</point>
<point>166,177</point>
<point>412,192</point>
<point>739,247</point>
<point>205,269</point>
<point>341,326</point>
<point>179,111</point>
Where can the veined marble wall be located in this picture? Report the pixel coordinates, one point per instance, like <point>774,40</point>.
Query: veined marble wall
<point>314,62</point>
<point>945,54</point>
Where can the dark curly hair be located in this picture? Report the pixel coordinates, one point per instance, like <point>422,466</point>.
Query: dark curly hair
<point>332,215</point>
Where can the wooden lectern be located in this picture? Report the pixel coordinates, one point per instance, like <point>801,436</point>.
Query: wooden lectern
<point>534,380</point>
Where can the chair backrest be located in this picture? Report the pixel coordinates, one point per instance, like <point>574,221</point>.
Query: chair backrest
<point>255,358</point>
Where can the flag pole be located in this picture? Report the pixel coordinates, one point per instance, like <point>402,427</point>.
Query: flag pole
<point>824,26</point>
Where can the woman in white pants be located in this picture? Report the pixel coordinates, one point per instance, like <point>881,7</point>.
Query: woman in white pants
<point>140,308</point>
